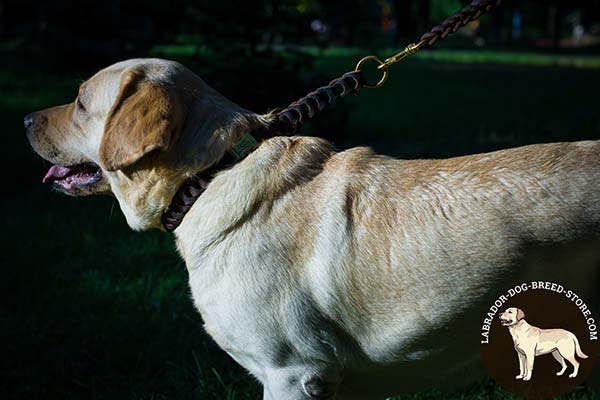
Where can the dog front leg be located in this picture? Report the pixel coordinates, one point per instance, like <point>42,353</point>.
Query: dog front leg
<point>266,395</point>
<point>521,365</point>
<point>529,361</point>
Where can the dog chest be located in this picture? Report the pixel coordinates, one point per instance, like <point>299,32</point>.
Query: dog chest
<point>261,318</point>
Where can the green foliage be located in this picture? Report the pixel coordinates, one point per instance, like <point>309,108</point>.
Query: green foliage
<point>235,38</point>
<point>441,9</point>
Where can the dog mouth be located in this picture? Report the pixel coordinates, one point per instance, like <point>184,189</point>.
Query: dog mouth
<point>505,322</point>
<point>71,178</point>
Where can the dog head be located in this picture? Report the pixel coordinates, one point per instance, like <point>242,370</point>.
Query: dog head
<point>136,130</point>
<point>511,316</point>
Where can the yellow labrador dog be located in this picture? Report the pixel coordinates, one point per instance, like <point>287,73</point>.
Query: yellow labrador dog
<point>346,275</point>
<point>531,341</point>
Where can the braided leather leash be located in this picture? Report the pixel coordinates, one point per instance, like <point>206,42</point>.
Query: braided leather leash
<point>289,120</point>
<point>469,13</point>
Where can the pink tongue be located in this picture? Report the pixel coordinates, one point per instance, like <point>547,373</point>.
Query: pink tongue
<point>55,173</point>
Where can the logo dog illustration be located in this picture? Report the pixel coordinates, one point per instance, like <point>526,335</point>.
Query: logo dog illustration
<point>531,341</point>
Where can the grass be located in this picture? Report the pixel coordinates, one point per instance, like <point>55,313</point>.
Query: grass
<point>445,55</point>
<point>91,310</point>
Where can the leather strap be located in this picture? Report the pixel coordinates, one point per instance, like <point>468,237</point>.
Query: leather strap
<point>290,118</point>
<point>453,23</point>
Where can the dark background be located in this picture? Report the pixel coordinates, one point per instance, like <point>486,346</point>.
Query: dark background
<point>92,310</point>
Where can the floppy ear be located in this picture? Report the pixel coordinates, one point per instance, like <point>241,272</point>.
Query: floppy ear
<point>520,314</point>
<point>142,119</point>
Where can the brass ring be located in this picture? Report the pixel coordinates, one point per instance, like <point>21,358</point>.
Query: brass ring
<point>363,60</point>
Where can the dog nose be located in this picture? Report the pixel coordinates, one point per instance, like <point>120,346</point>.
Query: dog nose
<point>28,121</point>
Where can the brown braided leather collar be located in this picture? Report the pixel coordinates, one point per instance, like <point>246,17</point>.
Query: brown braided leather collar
<point>193,187</point>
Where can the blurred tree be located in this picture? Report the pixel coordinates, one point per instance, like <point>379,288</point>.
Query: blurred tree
<point>2,21</point>
<point>253,50</point>
<point>89,30</point>
<point>405,20</point>
<point>250,48</point>
<point>556,12</point>
<point>413,18</point>
<point>352,22</point>
<point>441,9</point>
<point>240,44</point>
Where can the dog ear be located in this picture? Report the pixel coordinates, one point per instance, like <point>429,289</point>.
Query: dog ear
<point>520,314</point>
<point>142,119</point>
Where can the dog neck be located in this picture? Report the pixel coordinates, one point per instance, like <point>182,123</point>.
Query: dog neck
<point>235,133</point>
<point>246,192</point>
<point>193,187</point>
<point>520,326</point>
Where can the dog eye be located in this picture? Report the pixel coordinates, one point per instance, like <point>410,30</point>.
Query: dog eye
<point>80,105</point>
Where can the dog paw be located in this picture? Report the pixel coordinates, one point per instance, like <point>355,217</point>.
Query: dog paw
<point>527,378</point>
<point>572,375</point>
<point>560,373</point>
<point>519,377</point>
